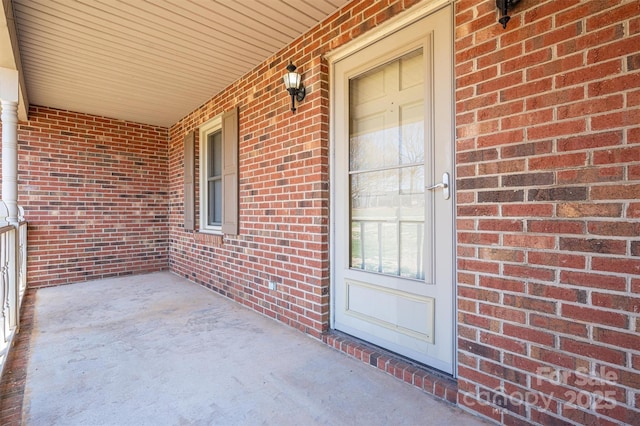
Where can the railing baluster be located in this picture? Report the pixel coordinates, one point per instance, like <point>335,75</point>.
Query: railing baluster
<point>22,261</point>
<point>13,282</point>
<point>4,284</point>
<point>6,281</point>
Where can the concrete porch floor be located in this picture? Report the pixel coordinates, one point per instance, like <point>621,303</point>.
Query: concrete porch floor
<point>156,349</point>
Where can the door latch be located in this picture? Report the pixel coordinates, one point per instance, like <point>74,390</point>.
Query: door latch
<point>446,189</point>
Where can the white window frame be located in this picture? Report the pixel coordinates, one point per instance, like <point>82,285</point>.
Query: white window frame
<point>211,126</point>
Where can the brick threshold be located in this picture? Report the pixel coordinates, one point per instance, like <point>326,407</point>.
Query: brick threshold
<point>15,371</point>
<point>431,381</point>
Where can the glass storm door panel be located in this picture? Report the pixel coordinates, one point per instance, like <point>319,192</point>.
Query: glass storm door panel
<point>386,168</point>
<point>393,259</point>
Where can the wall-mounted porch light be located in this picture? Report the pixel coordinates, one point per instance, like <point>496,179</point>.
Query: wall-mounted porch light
<point>503,6</point>
<point>292,81</point>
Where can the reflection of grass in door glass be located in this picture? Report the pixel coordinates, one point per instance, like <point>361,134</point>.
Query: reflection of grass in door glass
<point>411,250</point>
<point>374,246</point>
<point>370,240</point>
<point>356,245</point>
<point>389,248</point>
<point>379,246</point>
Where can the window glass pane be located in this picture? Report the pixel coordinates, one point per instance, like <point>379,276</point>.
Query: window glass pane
<point>214,153</point>
<point>385,129</point>
<point>371,247</point>
<point>412,70</point>
<point>211,197</point>
<point>412,249</point>
<point>372,146</point>
<point>387,168</point>
<point>217,208</point>
<point>215,202</point>
<point>357,244</point>
<point>411,143</point>
<point>388,195</point>
<point>387,215</point>
<point>217,154</point>
<point>374,246</point>
<point>389,248</point>
<point>210,155</point>
<point>214,178</point>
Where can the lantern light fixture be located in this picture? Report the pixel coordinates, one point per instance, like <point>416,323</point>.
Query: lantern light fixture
<point>292,81</point>
<point>503,6</point>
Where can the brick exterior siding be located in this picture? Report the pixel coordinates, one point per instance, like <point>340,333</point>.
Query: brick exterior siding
<point>284,182</point>
<point>548,154</point>
<point>94,191</point>
<point>547,192</point>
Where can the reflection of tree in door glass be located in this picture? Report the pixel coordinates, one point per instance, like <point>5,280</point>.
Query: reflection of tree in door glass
<point>386,158</point>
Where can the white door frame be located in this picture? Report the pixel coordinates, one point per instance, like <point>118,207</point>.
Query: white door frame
<point>400,21</point>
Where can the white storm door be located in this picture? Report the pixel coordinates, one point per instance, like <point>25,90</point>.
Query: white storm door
<point>393,265</point>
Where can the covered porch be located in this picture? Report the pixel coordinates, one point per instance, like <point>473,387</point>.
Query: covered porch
<point>486,252</point>
<point>157,349</point>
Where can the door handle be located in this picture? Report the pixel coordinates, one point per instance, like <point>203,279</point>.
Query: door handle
<point>446,188</point>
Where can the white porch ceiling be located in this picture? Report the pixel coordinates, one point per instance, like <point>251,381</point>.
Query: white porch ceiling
<point>150,61</point>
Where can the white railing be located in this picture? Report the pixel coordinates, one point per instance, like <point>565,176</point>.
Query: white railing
<point>13,282</point>
<point>22,260</point>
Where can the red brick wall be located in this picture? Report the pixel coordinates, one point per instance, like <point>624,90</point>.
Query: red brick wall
<point>94,192</point>
<point>548,217</point>
<point>548,177</point>
<point>284,182</point>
